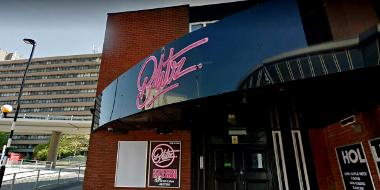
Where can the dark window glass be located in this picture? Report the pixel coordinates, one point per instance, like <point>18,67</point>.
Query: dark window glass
<point>255,160</point>
<point>317,65</point>
<point>273,73</point>
<point>224,160</point>
<point>217,140</point>
<point>329,63</point>
<point>304,63</point>
<point>283,68</point>
<point>370,54</point>
<point>226,184</point>
<point>255,136</point>
<point>265,79</point>
<point>342,60</point>
<point>357,58</point>
<point>253,80</point>
<point>295,70</point>
<point>208,23</point>
<point>195,27</point>
<point>254,185</point>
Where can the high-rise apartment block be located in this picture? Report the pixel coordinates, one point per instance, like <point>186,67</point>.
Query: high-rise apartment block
<point>63,85</point>
<point>54,86</point>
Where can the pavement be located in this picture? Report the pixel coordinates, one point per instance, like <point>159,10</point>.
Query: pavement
<point>26,178</point>
<point>70,186</point>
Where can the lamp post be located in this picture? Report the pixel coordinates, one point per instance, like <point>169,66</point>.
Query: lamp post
<point>4,157</point>
<point>5,109</point>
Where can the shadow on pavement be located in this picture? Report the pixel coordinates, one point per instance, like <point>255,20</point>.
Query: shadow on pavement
<point>68,186</point>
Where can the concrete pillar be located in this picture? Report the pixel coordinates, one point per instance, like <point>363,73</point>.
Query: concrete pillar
<point>53,147</point>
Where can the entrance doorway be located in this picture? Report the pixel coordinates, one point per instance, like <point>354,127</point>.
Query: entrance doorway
<point>239,167</point>
<point>243,166</point>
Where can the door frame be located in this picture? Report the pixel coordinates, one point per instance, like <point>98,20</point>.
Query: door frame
<point>201,168</point>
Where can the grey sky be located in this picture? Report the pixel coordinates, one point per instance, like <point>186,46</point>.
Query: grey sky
<point>65,27</point>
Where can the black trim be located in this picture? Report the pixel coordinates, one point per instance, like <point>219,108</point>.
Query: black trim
<point>376,5</point>
<point>309,159</point>
<point>218,11</point>
<point>315,22</point>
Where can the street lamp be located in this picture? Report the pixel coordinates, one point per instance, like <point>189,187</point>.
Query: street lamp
<point>4,156</point>
<point>5,109</point>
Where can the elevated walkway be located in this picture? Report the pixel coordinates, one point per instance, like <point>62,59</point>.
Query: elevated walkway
<point>33,124</point>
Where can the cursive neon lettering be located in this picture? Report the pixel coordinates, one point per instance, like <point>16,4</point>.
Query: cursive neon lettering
<point>164,73</point>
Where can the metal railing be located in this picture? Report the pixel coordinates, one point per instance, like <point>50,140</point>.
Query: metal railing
<point>36,179</point>
<point>54,117</point>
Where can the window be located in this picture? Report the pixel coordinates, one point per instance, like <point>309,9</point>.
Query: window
<point>198,25</point>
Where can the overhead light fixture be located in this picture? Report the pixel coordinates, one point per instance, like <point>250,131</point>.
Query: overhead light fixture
<point>347,121</point>
<point>244,99</point>
<point>164,131</point>
<point>231,118</point>
<point>351,121</point>
<point>29,41</point>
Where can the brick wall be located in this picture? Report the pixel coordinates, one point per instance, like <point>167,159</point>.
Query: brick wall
<point>349,18</point>
<point>325,140</point>
<point>129,38</point>
<point>101,163</point>
<point>132,36</point>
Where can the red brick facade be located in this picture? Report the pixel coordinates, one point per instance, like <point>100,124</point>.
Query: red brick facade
<point>349,18</point>
<point>129,38</point>
<point>325,140</point>
<point>132,36</point>
<point>102,153</point>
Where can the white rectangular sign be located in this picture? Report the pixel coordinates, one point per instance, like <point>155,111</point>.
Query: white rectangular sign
<point>131,164</point>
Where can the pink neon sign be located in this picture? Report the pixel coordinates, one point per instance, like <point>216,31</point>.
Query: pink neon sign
<point>164,73</point>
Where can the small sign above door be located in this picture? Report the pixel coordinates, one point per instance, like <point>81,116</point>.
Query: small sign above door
<point>235,139</point>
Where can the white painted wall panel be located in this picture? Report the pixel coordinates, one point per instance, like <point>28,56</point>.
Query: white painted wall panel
<point>131,164</point>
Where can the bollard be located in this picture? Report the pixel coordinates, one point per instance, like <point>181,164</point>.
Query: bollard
<point>22,160</point>
<point>79,173</point>
<point>13,181</point>
<point>38,176</point>
<point>49,164</point>
<point>59,175</point>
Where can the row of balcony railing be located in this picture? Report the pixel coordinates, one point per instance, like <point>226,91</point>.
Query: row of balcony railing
<point>54,117</point>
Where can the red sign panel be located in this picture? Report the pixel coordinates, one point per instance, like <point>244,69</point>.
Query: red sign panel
<point>164,164</point>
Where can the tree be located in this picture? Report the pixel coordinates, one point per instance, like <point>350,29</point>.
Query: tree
<point>72,145</point>
<point>69,145</point>
<point>3,138</point>
<point>41,151</point>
